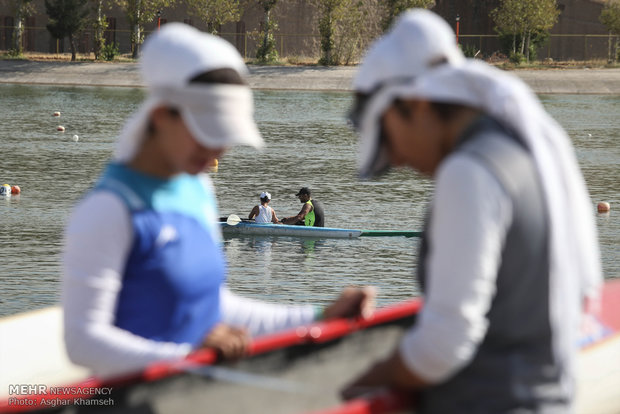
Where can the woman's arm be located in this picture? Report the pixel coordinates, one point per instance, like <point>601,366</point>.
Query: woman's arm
<point>98,239</point>
<point>470,218</point>
<point>253,213</point>
<point>260,317</point>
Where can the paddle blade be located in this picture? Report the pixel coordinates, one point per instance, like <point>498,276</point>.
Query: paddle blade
<point>233,220</point>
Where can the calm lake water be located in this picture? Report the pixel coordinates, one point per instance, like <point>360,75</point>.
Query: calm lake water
<point>308,144</point>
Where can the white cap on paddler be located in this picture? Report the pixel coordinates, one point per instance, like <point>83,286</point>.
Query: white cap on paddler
<point>218,115</point>
<point>418,41</point>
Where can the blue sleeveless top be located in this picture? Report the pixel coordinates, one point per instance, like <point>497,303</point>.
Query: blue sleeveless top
<point>175,268</point>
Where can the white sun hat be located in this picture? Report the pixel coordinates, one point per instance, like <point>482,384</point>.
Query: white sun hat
<point>418,41</point>
<point>265,194</point>
<point>218,115</point>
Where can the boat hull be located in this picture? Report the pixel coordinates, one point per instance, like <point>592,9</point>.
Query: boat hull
<point>285,230</point>
<point>302,371</point>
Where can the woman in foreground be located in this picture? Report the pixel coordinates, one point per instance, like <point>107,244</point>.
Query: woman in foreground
<point>144,274</point>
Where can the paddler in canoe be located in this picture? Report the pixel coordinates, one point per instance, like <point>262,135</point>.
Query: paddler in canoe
<point>263,212</point>
<point>311,213</point>
<point>509,261</point>
<point>144,276</point>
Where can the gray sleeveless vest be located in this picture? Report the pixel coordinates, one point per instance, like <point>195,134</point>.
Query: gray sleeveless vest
<point>514,369</point>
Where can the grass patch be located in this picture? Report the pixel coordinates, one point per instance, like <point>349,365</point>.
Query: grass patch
<point>502,62</point>
<point>62,57</point>
<point>552,64</point>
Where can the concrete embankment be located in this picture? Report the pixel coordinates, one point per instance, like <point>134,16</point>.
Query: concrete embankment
<point>550,81</point>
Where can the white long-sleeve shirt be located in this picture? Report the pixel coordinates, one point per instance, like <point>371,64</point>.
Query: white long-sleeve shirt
<point>93,263</point>
<point>471,216</point>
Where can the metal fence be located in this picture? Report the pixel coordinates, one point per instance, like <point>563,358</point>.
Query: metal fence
<point>561,47</point>
<point>305,47</point>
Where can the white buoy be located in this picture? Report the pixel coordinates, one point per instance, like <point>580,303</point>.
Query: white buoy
<point>76,138</point>
<point>589,135</point>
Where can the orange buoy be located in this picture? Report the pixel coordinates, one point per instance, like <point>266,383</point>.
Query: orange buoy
<point>603,207</point>
<point>15,189</point>
<point>60,128</point>
<point>56,113</point>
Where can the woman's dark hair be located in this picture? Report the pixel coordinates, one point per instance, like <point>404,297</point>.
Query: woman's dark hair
<point>227,76</point>
<point>264,199</point>
<point>445,111</point>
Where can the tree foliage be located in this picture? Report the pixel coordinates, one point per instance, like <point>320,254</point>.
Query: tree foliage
<point>395,7</point>
<point>66,19</point>
<point>330,12</point>
<point>99,25</point>
<point>267,52</point>
<point>215,13</point>
<point>139,13</point>
<point>357,28</point>
<point>610,17</point>
<point>522,18</point>
<point>21,9</point>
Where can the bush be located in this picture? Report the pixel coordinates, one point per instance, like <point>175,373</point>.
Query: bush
<point>517,58</point>
<point>469,51</point>
<point>267,52</point>
<point>14,53</point>
<point>109,51</point>
<point>538,40</point>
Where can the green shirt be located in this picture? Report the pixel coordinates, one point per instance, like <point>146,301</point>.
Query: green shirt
<point>309,219</point>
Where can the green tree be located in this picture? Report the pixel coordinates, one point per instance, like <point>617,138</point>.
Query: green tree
<point>267,52</point>
<point>99,25</point>
<point>610,17</point>
<point>524,18</point>
<point>356,29</point>
<point>21,10</point>
<point>139,13</point>
<point>67,18</point>
<point>395,7</point>
<point>215,13</point>
<point>330,12</point>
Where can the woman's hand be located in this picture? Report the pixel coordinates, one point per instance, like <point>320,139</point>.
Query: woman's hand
<point>352,302</point>
<point>229,341</point>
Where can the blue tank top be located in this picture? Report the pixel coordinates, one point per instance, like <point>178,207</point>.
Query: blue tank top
<point>175,268</point>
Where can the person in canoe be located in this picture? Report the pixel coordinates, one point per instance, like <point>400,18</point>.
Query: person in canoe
<point>311,213</point>
<point>264,213</point>
<point>144,275</point>
<point>509,262</point>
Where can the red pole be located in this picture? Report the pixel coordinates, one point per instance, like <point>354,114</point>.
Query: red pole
<point>457,28</point>
<point>159,23</point>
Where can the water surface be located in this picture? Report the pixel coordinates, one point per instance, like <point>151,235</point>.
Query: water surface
<point>308,144</point>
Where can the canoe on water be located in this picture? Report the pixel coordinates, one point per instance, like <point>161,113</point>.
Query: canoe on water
<point>298,371</point>
<point>249,228</point>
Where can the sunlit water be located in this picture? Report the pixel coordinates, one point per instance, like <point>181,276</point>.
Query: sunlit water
<point>308,144</point>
